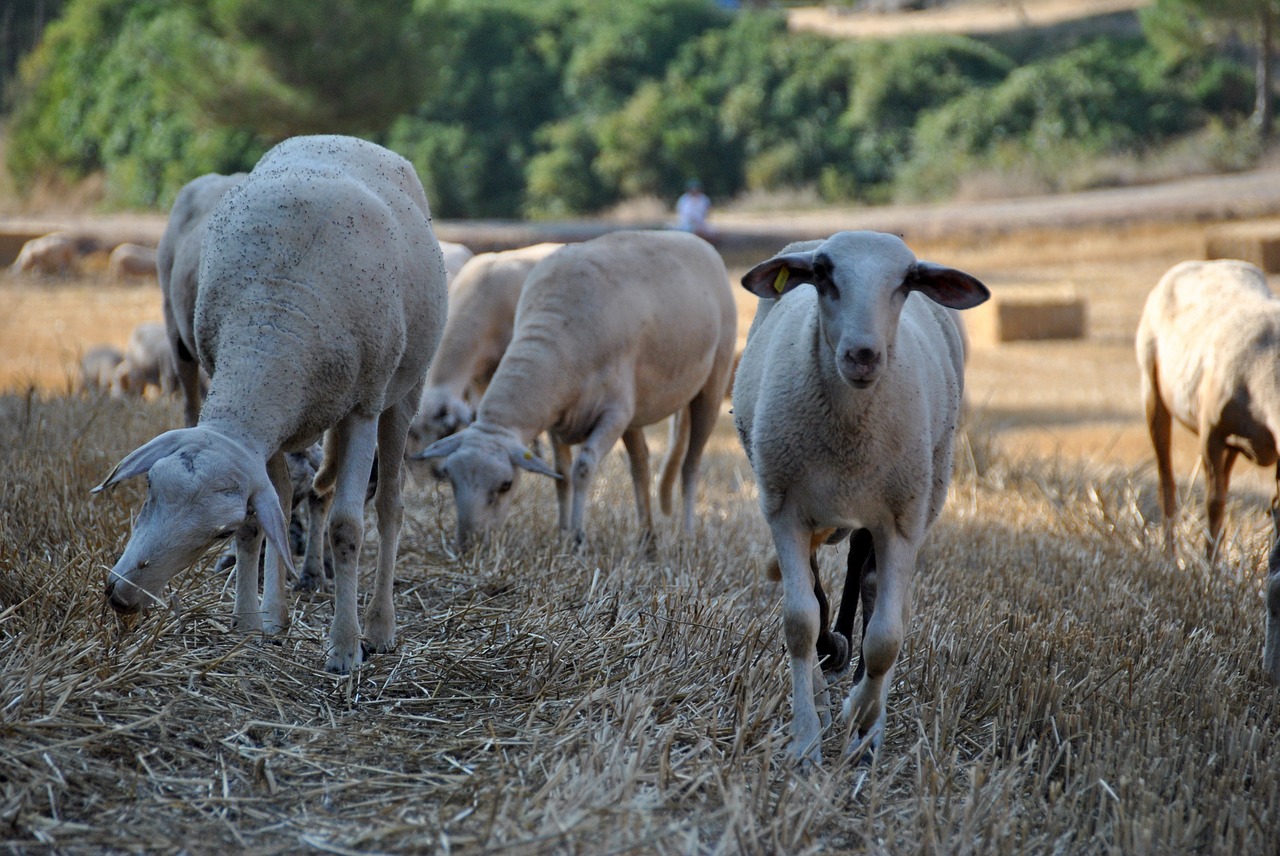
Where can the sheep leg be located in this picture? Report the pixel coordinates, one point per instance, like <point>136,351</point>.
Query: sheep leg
<point>380,613</point>
<point>562,456</point>
<point>352,444</point>
<point>1159,425</point>
<point>247,615</point>
<point>275,607</point>
<point>703,413</point>
<point>861,567</point>
<point>801,620</point>
<point>608,429</point>
<point>677,445</point>
<point>314,576</point>
<point>1218,458</point>
<point>826,646</point>
<point>1271,647</point>
<point>638,457</point>
<point>882,637</point>
<point>188,371</point>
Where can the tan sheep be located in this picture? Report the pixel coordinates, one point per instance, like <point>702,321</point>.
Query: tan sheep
<point>1208,348</point>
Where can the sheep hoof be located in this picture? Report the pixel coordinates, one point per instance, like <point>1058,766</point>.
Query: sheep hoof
<point>309,581</point>
<point>369,647</point>
<point>862,749</point>
<point>343,663</point>
<point>834,651</point>
<point>806,758</point>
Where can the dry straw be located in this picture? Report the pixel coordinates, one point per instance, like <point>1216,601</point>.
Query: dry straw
<point>1065,689</point>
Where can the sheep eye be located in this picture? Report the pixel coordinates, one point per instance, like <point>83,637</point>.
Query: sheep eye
<point>506,486</point>
<point>444,412</point>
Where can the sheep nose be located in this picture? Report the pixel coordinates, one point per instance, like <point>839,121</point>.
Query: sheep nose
<point>862,356</point>
<point>118,606</point>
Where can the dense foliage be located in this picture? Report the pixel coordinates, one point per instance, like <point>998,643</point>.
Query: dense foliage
<point>556,107</point>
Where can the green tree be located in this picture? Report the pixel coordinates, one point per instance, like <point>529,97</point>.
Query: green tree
<point>1180,25</point>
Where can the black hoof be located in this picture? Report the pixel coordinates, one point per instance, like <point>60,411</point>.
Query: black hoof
<point>834,651</point>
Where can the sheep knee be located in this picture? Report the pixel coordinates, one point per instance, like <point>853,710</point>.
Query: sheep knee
<point>800,624</point>
<point>880,646</point>
<point>345,536</point>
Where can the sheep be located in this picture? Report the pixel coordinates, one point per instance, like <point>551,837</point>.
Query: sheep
<point>131,261</point>
<point>177,265</point>
<point>482,309</point>
<point>611,335</point>
<point>147,362</point>
<point>1207,347</point>
<point>456,257</point>
<point>54,254</point>
<point>846,401</point>
<point>98,368</point>
<point>320,303</point>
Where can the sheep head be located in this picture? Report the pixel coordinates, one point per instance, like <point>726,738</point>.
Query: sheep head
<point>440,415</point>
<point>202,487</point>
<point>862,279</point>
<point>483,465</point>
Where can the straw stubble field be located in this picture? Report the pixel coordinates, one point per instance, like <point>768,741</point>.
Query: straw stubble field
<point>1064,688</point>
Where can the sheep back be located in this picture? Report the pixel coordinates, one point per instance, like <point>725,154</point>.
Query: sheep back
<point>321,265</point>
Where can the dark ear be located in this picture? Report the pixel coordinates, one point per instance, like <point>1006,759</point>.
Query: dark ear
<point>776,276</point>
<point>948,286</point>
<point>442,448</point>
<point>141,460</point>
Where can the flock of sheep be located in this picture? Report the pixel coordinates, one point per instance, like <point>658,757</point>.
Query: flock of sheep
<point>309,302</point>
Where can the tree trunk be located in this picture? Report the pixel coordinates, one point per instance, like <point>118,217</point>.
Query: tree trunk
<point>1262,104</point>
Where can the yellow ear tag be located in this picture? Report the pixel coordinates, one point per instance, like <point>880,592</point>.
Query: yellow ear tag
<point>528,456</point>
<point>780,281</point>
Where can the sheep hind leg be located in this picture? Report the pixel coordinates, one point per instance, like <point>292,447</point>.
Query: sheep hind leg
<point>380,614</point>
<point>638,457</point>
<point>1271,646</point>
<point>315,576</point>
<point>677,446</point>
<point>704,410</point>
<point>1159,426</point>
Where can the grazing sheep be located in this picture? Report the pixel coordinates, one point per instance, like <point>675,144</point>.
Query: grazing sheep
<point>98,368</point>
<point>147,362</point>
<point>456,257</point>
<point>54,254</point>
<point>321,299</point>
<point>610,335</point>
<point>177,265</point>
<point>1208,348</point>
<point>482,310</point>
<point>846,401</point>
<point>129,261</point>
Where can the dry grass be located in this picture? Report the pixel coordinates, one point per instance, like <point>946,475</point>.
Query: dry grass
<point>1065,688</point>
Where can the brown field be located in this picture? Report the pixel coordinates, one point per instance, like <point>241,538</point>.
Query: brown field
<point>1065,688</point>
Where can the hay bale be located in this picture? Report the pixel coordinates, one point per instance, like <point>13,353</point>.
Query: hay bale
<point>1027,312</point>
<point>1257,242</point>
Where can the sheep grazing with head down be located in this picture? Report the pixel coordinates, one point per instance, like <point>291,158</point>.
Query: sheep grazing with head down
<point>178,266</point>
<point>482,311</point>
<point>321,299</point>
<point>147,363</point>
<point>1208,348</point>
<point>846,401</point>
<point>611,335</point>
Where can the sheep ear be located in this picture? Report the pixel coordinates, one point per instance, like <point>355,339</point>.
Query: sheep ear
<point>442,448</point>
<point>266,507</point>
<point>778,275</point>
<point>143,458</point>
<point>948,286</point>
<point>527,460</point>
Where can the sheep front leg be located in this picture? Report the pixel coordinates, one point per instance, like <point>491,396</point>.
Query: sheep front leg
<point>1218,458</point>
<point>247,615</point>
<point>380,614</point>
<point>1271,647</point>
<point>562,456</point>
<point>800,625</point>
<point>354,441</point>
<point>882,636</point>
<point>608,429</point>
<point>275,606</point>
